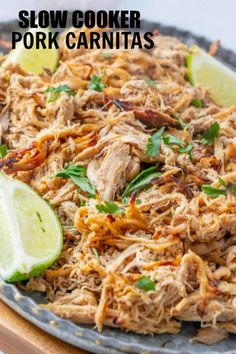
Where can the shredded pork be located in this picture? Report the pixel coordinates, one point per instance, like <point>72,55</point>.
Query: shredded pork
<point>181,239</point>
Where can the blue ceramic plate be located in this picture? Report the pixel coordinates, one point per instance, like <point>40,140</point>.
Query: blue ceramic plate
<point>115,341</point>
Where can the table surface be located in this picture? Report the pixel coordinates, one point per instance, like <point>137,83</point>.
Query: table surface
<point>18,336</point>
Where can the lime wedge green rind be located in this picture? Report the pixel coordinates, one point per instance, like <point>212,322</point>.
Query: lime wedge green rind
<point>17,276</point>
<point>33,60</point>
<point>31,235</point>
<point>212,75</point>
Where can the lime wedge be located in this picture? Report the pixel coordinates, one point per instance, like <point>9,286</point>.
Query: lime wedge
<point>34,60</point>
<point>30,232</point>
<point>219,80</point>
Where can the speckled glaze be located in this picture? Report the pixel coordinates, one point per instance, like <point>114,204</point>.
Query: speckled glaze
<point>115,341</point>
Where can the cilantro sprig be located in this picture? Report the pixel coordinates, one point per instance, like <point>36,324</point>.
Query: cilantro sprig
<point>56,91</point>
<point>151,83</point>
<point>126,201</point>
<point>96,83</point>
<point>197,103</point>
<point>180,120</point>
<point>145,283</point>
<point>216,192</point>
<point>173,141</point>
<point>154,143</point>
<point>186,150</point>
<point>222,182</point>
<point>109,208</point>
<point>79,177</point>
<point>141,181</point>
<point>3,151</point>
<point>212,191</point>
<point>211,134</point>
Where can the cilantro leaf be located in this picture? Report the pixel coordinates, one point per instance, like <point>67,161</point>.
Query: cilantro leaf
<point>71,170</point>
<point>84,184</point>
<point>211,134</point>
<point>96,83</point>
<point>154,143</point>
<point>3,151</point>
<point>180,120</point>
<point>109,208</point>
<point>141,181</point>
<point>213,192</point>
<point>216,192</point>
<point>186,149</point>
<point>56,91</point>
<point>126,200</point>
<point>151,83</point>
<point>145,283</point>
<point>234,190</point>
<point>222,182</point>
<point>197,103</point>
<point>172,140</point>
<point>78,176</point>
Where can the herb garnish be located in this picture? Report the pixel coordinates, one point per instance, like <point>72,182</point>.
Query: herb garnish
<point>126,201</point>
<point>109,208</point>
<point>3,151</point>
<point>186,150</point>
<point>56,91</point>
<point>79,177</point>
<point>197,103</point>
<point>212,191</point>
<point>154,143</point>
<point>234,190</point>
<point>211,134</point>
<point>96,83</point>
<point>141,181</point>
<point>180,120</point>
<point>151,83</point>
<point>222,182</point>
<point>172,140</point>
<point>146,284</point>
<point>216,192</point>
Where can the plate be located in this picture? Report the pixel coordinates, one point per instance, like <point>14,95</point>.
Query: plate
<point>115,341</point>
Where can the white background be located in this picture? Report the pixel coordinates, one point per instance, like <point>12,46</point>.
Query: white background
<point>215,19</point>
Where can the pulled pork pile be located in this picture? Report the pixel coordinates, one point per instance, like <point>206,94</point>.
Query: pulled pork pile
<point>147,202</point>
